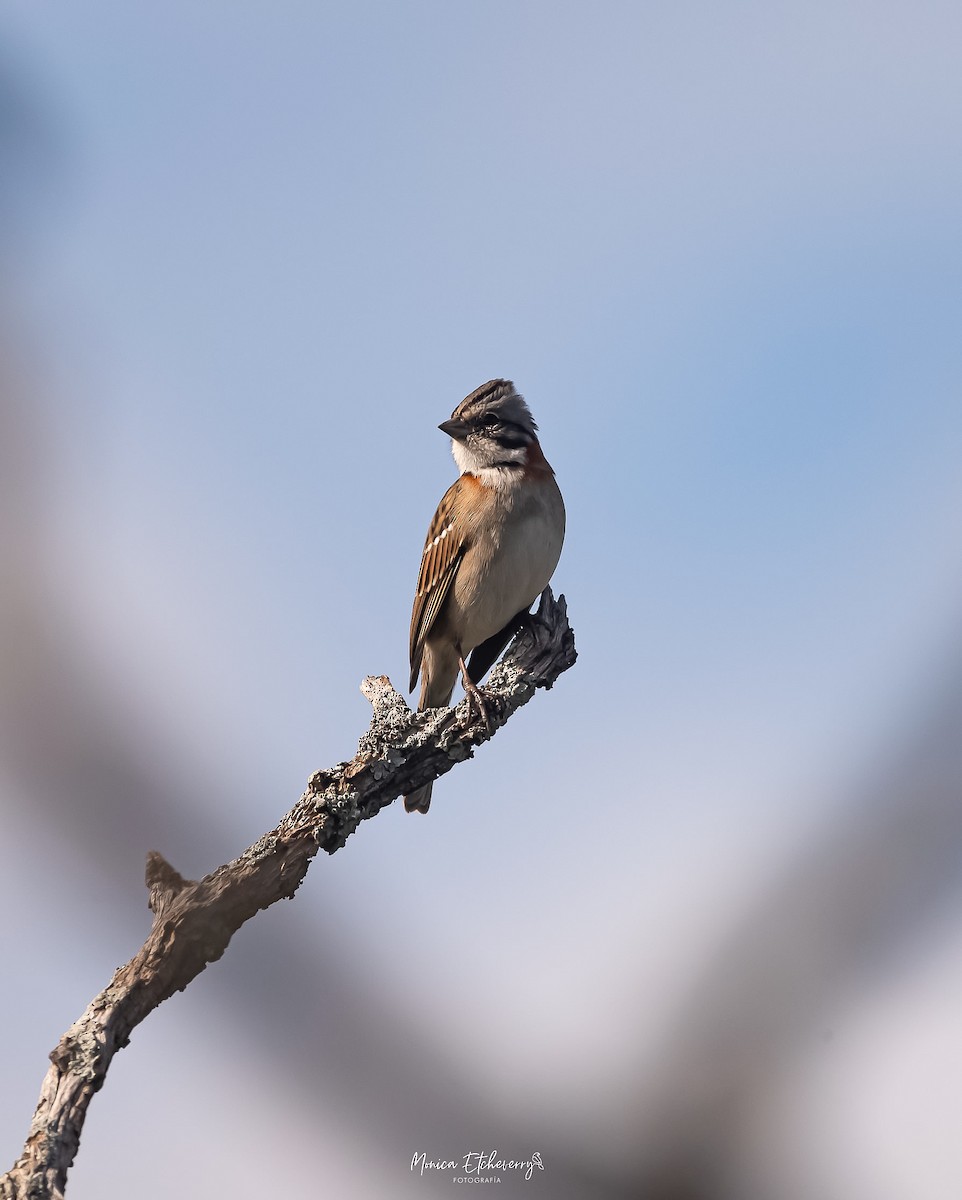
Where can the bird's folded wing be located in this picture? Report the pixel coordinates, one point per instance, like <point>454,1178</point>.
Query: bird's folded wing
<point>443,552</point>
<point>483,656</point>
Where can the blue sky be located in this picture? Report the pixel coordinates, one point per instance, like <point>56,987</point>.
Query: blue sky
<point>716,247</point>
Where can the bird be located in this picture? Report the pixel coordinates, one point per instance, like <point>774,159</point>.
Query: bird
<point>491,548</point>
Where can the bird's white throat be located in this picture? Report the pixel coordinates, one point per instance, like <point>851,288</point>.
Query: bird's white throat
<point>502,475</point>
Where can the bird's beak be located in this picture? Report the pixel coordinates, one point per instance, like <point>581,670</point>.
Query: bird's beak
<point>456,429</point>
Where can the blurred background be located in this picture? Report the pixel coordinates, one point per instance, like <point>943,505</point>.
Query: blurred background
<point>692,928</point>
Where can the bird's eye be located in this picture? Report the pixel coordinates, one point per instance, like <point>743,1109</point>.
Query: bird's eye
<point>489,419</point>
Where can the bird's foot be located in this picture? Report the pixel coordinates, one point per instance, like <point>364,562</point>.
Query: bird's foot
<point>475,698</point>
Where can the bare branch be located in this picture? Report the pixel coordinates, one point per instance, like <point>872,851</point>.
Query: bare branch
<point>195,920</point>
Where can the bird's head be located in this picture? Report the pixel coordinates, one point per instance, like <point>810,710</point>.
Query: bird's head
<point>493,427</point>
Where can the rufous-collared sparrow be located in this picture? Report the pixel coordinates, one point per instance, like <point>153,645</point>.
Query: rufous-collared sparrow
<point>492,546</point>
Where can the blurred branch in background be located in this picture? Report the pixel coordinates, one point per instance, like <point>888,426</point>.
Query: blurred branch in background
<point>838,921</point>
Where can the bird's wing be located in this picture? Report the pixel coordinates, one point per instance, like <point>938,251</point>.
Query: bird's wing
<point>442,556</point>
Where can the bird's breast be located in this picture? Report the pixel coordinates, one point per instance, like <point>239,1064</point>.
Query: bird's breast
<point>513,560</point>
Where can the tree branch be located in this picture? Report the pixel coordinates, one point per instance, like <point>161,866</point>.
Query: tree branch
<point>195,920</point>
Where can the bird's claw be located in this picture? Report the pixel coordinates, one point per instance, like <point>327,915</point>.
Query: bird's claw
<point>475,697</point>
<point>476,700</point>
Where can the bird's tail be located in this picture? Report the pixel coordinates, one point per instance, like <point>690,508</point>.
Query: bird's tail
<point>436,688</point>
<point>419,801</point>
